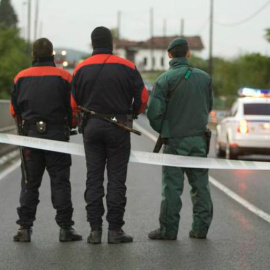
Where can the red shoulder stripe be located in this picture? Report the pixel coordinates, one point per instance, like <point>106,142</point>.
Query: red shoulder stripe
<point>44,71</point>
<point>100,59</point>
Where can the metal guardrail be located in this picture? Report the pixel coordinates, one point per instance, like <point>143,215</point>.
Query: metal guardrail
<point>7,129</point>
<point>6,119</point>
<point>7,125</point>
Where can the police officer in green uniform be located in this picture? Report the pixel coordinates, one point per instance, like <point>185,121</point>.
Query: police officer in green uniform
<point>181,120</point>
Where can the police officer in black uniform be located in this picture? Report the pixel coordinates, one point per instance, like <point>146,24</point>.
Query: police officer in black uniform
<point>108,86</point>
<point>40,101</point>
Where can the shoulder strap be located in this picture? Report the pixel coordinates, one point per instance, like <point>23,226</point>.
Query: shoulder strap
<point>99,72</point>
<point>181,81</point>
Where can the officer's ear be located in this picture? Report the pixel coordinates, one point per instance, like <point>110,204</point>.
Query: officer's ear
<point>188,54</point>
<point>170,55</point>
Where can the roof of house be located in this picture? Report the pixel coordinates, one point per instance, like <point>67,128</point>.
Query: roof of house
<point>195,43</point>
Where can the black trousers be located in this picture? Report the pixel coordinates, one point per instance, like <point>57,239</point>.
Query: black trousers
<point>58,167</point>
<point>106,144</point>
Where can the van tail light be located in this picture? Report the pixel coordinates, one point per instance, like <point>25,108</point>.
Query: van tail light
<point>243,127</point>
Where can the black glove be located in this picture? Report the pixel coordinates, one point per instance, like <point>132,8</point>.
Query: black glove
<point>135,114</point>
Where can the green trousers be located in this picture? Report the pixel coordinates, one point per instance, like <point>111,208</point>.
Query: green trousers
<point>173,185</point>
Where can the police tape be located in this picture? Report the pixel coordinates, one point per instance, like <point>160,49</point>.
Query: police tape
<point>137,156</point>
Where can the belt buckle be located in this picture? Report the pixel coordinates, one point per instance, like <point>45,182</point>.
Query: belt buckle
<point>114,119</point>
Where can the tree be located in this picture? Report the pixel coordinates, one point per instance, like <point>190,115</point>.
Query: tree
<point>254,71</point>
<point>115,34</point>
<point>251,70</point>
<point>8,17</point>
<point>13,58</point>
<point>267,35</point>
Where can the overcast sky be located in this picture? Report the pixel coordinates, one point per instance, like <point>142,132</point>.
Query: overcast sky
<point>68,23</point>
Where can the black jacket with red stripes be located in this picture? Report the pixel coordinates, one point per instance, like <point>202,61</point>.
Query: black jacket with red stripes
<point>42,92</point>
<point>108,84</point>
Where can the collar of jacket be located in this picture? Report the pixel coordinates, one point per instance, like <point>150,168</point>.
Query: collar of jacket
<point>176,62</point>
<point>42,64</point>
<point>102,51</point>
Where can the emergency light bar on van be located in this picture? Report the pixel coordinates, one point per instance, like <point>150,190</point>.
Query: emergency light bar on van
<point>252,92</point>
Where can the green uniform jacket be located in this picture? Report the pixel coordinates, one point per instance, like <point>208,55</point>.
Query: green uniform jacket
<point>186,113</point>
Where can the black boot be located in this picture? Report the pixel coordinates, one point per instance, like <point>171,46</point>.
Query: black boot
<point>119,236</point>
<point>68,234</point>
<point>95,236</point>
<point>197,235</point>
<point>23,235</point>
<point>159,235</point>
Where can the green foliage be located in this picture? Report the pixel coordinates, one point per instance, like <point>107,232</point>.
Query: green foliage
<point>267,35</point>
<point>198,62</point>
<point>115,34</point>
<point>8,17</point>
<point>13,58</point>
<point>257,70</point>
<point>251,70</point>
<point>151,76</point>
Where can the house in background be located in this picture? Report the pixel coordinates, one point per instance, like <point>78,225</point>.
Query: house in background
<point>152,53</point>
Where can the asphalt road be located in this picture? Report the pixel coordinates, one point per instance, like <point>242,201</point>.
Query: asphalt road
<point>237,239</point>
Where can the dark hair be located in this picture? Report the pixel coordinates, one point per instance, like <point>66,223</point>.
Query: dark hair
<point>42,48</point>
<point>179,51</point>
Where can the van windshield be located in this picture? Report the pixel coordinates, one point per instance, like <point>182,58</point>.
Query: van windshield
<point>257,109</point>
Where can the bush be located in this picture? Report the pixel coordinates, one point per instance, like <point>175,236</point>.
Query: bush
<point>13,58</point>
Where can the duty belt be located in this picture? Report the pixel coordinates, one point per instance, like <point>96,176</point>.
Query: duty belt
<point>49,126</point>
<point>111,116</point>
<point>41,126</point>
<point>34,121</point>
<point>112,120</point>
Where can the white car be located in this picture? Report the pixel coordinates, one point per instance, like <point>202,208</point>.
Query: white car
<point>246,130</point>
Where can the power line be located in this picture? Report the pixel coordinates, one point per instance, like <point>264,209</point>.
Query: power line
<point>246,19</point>
<point>203,26</point>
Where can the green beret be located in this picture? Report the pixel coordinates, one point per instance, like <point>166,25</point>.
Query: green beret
<point>177,42</point>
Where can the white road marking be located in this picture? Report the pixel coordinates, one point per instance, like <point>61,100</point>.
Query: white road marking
<point>252,208</point>
<point>9,169</point>
<point>9,156</point>
<point>145,132</point>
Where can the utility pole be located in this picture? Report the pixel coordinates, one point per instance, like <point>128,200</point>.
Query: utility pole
<point>40,29</point>
<point>151,38</point>
<point>36,20</point>
<point>118,24</point>
<point>29,28</point>
<point>164,41</point>
<point>182,28</point>
<point>23,31</point>
<point>210,62</point>
<point>164,28</point>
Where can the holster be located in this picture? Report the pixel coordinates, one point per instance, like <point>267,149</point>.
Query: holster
<point>81,120</point>
<point>158,144</point>
<point>207,135</point>
<point>23,128</point>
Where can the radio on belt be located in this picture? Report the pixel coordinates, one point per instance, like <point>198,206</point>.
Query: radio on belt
<point>41,127</point>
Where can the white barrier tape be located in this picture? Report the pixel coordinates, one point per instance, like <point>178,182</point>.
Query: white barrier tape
<point>44,144</point>
<point>137,156</point>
